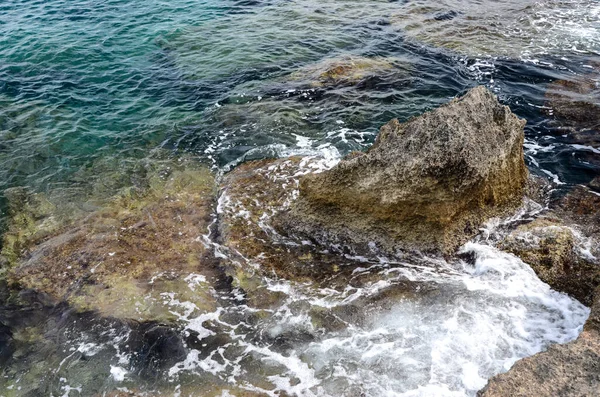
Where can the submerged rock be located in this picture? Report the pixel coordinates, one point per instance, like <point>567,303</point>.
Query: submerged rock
<point>509,28</point>
<point>425,185</point>
<point>349,70</point>
<point>135,258</point>
<point>576,103</point>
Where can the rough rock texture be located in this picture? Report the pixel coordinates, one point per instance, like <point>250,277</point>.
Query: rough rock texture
<point>563,250</point>
<point>122,259</point>
<point>426,184</point>
<point>581,206</point>
<point>557,253</point>
<point>250,195</point>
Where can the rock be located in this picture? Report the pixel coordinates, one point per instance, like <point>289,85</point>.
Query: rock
<point>595,184</point>
<point>250,195</point>
<point>134,258</point>
<point>562,248</point>
<point>581,206</point>
<point>30,220</point>
<point>559,256</point>
<point>349,70</point>
<point>576,102</point>
<point>572,369</point>
<point>494,28</point>
<point>425,185</point>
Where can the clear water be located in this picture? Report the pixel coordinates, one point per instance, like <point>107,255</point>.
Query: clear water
<point>89,87</point>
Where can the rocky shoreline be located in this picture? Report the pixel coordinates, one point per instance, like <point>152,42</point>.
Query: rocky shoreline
<point>426,186</point>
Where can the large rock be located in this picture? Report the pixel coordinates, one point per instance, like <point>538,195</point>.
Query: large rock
<point>250,196</point>
<point>425,185</point>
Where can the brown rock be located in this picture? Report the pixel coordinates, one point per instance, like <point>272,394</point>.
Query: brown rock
<point>426,184</point>
<point>119,259</point>
<point>349,70</point>
<point>250,195</point>
<point>581,206</point>
<point>576,102</point>
<point>555,253</point>
<point>566,370</point>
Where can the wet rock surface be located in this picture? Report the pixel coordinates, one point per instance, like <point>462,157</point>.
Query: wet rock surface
<point>250,196</point>
<point>187,284</point>
<point>425,185</point>
<point>576,102</point>
<point>559,256</point>
<point>123,259</point>
<point>563,249</point>
<point>563,370</point>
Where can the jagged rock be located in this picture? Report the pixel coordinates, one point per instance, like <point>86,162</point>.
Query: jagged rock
<point>250,196</point>
<point>558,255</point>
<point>572,369</point>
<point>426,184</point>
<point>133,258</point>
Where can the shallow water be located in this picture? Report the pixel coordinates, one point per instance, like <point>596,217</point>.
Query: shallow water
<point>88,88</point>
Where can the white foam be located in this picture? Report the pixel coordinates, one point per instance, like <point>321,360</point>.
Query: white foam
<point>118,373</point>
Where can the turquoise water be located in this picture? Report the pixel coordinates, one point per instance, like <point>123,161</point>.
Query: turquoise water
<point>89,88</point>
<point>87,80</point>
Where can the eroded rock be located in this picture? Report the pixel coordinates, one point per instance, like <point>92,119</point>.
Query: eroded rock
<point>559,255</point>
<point>274,273</point>
<point>426,184</point>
